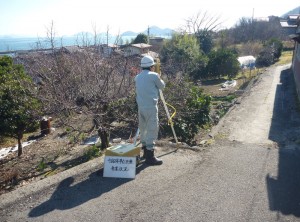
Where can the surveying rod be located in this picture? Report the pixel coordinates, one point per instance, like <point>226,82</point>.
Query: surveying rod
<point>157,69</point>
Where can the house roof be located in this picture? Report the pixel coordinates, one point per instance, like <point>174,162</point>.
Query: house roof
<point>71,49</point>
<point>286,24</point>
<point>110,45</point>
<point>290,21</point>
<point>141,45</point>
<point>293,17</point>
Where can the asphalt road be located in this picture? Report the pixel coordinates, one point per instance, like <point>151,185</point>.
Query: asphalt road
<point>251,173</point>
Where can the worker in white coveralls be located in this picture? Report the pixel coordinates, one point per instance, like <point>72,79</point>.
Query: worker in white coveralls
<point>147,84</point>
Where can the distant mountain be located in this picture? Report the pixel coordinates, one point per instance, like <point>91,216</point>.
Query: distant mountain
<point>129,33</point>
<point>153,31</point>
<point>156,31</point>
<point>16,42</point>
<point>295,11</point>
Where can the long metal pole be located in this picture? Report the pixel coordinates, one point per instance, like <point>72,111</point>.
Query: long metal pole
<point>168,114</point>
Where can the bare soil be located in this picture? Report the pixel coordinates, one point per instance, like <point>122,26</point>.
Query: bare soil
<point>56,152</point>
<point>46,156</point>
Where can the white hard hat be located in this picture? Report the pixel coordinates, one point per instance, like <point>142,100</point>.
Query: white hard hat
<point>147,61</point>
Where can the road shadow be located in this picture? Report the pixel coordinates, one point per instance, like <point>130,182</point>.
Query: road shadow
<point>67,196</point>
<point>284,190</point>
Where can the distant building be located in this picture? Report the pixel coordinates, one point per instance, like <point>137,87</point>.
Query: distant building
<point>136,49</point>
<point>157,43</point>
<point>68,49</point>
<point>261,19</point>
<point>289,24</point>
<point>108,49</point>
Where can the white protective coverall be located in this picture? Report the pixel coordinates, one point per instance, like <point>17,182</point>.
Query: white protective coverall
<point>147,85</point>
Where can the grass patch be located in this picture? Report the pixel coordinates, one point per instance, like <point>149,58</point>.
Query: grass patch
<point>247,74</point>
<point>285,58</point>
<point>213,82</point>
<point>228,98</point>
<point>7,141</point>
<point>221,136</point>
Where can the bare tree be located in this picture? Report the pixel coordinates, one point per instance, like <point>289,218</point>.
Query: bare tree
<point>248,29</point>
<point>51,35</point>
<point>202,21</point>
<point>81,81</point>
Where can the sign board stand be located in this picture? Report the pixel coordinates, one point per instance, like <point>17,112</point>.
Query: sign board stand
<point>120,160</point>
<point>119,166</point>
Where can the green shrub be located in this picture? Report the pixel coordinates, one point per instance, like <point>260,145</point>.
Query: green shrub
<point>92,152</point>
<point>192,111</point>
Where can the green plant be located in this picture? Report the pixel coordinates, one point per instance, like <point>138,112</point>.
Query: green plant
<point>140,38</point>
<point>42,165</point>
<point>72,139</point>
<point>68,129</point>
<point>92,152</point>
<point>228,98</point>
<point>192,115</point>
<point>182,53</point>
<point>222,62</point>
<point>277,47</point>
<point>19,112</point>
<point>222,111</point>
<point>82,136</point>
<point>265,57</point>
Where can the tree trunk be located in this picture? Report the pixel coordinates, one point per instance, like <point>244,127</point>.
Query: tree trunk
<point>20,147</point>
<point>104,137</point>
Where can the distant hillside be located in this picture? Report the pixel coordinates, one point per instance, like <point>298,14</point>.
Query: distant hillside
<point>153,30</point>
<point>129,33</point>
<point>156,31</point>
<point>292,12</point>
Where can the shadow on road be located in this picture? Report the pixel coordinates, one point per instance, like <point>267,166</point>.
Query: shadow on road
<point>284,190</point>
<point>67,196</point>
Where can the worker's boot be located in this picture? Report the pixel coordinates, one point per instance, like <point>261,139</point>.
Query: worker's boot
<point>151,159</point>
<point>144,152</point>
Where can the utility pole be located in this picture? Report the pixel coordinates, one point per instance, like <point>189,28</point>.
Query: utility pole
<point>252,24</point>
<point>107,33</point>
<point>148,34</point>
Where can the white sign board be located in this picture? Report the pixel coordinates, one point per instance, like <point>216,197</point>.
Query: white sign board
<point>119,166</point>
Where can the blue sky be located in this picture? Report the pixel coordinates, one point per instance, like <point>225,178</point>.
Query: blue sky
<point>33,17</point>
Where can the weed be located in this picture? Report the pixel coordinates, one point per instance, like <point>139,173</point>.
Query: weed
<point>82,136</point>
<point>72,139</point>
<point>228,98</point>
<point>68,129</point>
<point>221,136</point>
<point>42,165</point>
<point>92,152</point>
